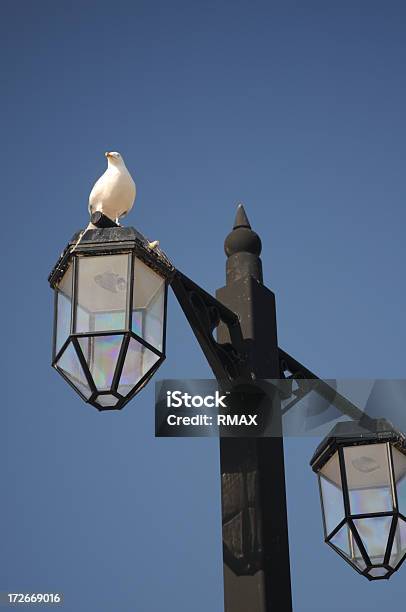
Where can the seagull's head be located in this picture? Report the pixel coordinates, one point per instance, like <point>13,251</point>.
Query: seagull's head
<point>114,158</point>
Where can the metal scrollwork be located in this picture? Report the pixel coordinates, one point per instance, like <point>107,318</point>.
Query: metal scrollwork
<point>204,314</point>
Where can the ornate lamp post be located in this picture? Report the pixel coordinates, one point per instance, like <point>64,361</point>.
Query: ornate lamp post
<point>109,339</point>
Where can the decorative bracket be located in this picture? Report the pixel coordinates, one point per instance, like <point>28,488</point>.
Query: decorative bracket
<point>204,313</point>
<point>290,369</point>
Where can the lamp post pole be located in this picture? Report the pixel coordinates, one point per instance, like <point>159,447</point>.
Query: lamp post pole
<point>254,512</point>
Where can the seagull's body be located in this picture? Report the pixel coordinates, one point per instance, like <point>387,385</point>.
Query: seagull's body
<point>114,193</point>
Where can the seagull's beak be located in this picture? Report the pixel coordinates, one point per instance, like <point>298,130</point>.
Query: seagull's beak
<point>107,154</point>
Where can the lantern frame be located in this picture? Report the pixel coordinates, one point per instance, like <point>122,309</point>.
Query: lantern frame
<point>355,434</point>
<point>98,243</point>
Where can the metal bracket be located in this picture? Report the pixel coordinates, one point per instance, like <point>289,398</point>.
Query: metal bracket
<point>204,313</point>
<point>296,371</point>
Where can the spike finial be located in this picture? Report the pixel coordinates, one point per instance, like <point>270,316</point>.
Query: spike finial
<point>241,219</point>
<point>242,239</point>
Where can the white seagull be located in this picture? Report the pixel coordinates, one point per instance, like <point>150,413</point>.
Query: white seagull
<point>114,193</point>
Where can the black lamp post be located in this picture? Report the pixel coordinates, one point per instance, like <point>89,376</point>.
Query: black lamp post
<point>109,339</point>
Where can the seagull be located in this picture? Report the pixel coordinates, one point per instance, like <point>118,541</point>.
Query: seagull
<point>114,193</point>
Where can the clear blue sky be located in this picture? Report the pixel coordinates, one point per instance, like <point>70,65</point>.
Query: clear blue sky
<point>298,110</point>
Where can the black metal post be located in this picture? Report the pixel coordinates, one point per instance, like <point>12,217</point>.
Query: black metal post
<point>254,513</point>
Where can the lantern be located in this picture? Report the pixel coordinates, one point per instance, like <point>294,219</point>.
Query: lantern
<point>110,314</point>
<point>362,479</point>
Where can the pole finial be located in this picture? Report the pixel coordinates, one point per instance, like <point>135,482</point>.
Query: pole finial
<point>241,219</point>
<point>242,239</point>
<point>243,249</point>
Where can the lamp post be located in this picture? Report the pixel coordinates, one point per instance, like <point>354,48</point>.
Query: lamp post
<point>109,339</point>
<point>255,526</point>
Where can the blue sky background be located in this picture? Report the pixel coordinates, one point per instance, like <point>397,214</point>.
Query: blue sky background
<point>298,110</point>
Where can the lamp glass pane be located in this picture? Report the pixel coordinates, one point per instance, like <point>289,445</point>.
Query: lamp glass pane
<point>374,533</point>
<point>154,319</point>
<point>331,493</point>
<point>102,284</point>
<point>378,572</point>
<point>356,556</point>
<point>341,540</point>
<point>148,304</point>
<point>399,465</point>
<point>138,361</point>
<point>333,506</point>
<point>63,309</point>
<point>107,400</point>
<point>138,321</point>
<point>399,544</point>
<point>345,542</point>
<point>70,365</point>
<point>101,354</point>
<point>368,478</point>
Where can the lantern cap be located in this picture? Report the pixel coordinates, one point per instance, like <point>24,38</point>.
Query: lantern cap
<point>354,433</point>
<point>111,240</point>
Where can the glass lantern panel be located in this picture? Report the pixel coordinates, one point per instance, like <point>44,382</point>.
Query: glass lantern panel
<point>154,319</point>
<point>138,322</point>
<point>374,533</point>
<point>138,361</point>
<point>368,478</point>
<point>399,544</point>
<point>378,572</point>
<point>341,540</point>
<point>356,556</point>
<point>102,284</point>
<point>63,309</point>
<point>331,493</point>
<point>331,470</point>
<point>399,466</point>
<point>101,354</point>
<point>333,505</point>
<point>107,400</point>
<point>148,304</point>
<point>345,542</point>
<point>70,365</point>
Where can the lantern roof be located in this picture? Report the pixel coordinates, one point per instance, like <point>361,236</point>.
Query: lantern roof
<point>355,433</point>
<point>108,240</point>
